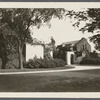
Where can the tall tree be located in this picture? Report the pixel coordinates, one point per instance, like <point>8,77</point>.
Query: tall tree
<point>20,21</point>
<point>91,17</point>
<point>8,43</point>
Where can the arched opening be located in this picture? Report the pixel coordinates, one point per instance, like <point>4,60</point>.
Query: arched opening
<point>72,58</point>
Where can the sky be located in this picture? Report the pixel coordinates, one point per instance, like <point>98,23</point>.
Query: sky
<point>61,30</point>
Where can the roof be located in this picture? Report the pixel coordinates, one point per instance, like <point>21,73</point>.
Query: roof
<point>37,42</point>
<point>71,42</point>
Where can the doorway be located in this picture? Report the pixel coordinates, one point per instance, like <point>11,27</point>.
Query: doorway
<point>72,59</point>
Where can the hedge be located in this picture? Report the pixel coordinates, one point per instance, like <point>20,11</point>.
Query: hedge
<point>90,61</point>
<point>44,63</point>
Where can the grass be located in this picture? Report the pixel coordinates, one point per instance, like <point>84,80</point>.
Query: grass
<point>92,71</point>
<point>37,69</point>
<point>78,81</point>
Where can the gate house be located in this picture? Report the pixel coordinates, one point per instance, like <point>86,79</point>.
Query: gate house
<point>73,52</point>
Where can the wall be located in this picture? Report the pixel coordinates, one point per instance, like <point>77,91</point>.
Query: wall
<point>34,50</point>
<point>68,57</point>
<point>86,45</point>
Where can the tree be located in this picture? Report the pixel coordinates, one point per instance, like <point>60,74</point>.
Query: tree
<point>94,54</point>
<point>92,19</point>
<point>7,43</point>
<point>20,21</point>
<point>52,44</point>
<point>50,47</point>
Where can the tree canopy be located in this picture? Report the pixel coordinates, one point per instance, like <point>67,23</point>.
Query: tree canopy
<point>91,17</point>
<point>16,23</point>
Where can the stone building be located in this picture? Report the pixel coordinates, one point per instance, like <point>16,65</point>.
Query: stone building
<point>74,51</point>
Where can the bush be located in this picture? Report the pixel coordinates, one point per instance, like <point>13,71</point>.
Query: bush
<point>12,64</point>
<point>44,63</point>
<point>90,61</point>
<point>13,61</point>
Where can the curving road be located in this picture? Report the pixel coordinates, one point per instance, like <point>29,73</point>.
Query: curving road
<point>77,68</point>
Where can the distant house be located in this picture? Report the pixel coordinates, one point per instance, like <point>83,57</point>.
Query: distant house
<point>74,51</point>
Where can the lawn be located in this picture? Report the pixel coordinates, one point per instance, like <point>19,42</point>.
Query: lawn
<point>92,71</point>
<point>36,69</point>
<point>78,81</point>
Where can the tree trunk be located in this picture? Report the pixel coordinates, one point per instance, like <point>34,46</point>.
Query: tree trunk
<point>4,62</point>
<point>20,56</point>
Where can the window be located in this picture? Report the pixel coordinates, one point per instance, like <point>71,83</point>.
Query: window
<point>83,47</point>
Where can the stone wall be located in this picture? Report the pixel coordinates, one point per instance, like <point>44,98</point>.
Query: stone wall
<point>83,45</point>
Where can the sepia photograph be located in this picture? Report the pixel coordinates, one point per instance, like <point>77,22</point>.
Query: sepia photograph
<point>49,47</point>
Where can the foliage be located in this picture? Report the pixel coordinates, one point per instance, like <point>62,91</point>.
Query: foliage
<point>20,20</point>
<point>90,61</point>
<point>7,43</point>
<point>96,41</point>
<point>60,53</point>
<point>47,55</point>
<point>91,17</point>
<point>7,39</point>
<point>49,48</point>
<point>93,54</point>
<point>12,64</point>
<point>17,22</point>
<point>12,61</point>
<point>44,63</point>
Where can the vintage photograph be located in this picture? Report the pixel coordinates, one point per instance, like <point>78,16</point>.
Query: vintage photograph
<point>50,48</point>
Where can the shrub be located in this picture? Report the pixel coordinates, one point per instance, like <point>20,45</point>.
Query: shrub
<point>13,61</point>
<point>44,63</point>
<point>90,61</point>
